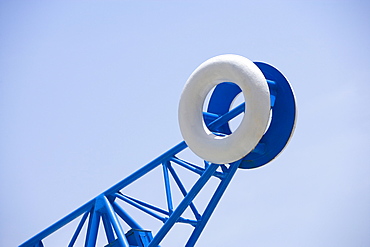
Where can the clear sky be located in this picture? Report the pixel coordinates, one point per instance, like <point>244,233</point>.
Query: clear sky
<point>89,92</point>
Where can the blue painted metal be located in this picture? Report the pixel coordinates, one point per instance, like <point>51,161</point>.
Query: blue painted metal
<point>219,123</point>
<point>167,186</point>
<point>59,224</point>
<point>122,241</point>
<point>183,191</point>
<point>137,203</point>
<point>283,116</point>
<point>105,207</point>
<point>126,217</point>
<point>139,238</point>
<point>193,168</point>
<point>219,104</point>
<point>39,244</point>
<point>92,229</point>
<point>212,204</point>
<point>143,207</point>
<point>282,122</point>
<point>183,205</point>
<point>108,229</point>
<point>78,230</point>
<point>147,168</point>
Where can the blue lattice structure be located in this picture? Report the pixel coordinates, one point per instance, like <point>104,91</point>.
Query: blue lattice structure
<point>122,229</point>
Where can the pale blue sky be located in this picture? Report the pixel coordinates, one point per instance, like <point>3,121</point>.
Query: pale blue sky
<point>89,93</point>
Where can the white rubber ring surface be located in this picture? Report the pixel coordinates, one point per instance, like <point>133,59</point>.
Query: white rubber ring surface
<point>224,68</point>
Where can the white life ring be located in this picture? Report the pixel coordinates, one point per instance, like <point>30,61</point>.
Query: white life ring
<point>224,68</point>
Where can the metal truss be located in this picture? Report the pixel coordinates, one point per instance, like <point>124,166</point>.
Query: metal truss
<point>106,209</point>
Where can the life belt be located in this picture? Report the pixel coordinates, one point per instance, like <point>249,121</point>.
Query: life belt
<point>228,148</point>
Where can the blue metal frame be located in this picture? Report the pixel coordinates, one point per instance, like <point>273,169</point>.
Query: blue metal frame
<point>106,208</point>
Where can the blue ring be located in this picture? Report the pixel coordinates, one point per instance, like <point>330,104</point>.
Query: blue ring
<point>283,108</point>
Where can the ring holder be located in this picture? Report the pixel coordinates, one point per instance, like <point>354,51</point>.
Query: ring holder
<point>283,115</point>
